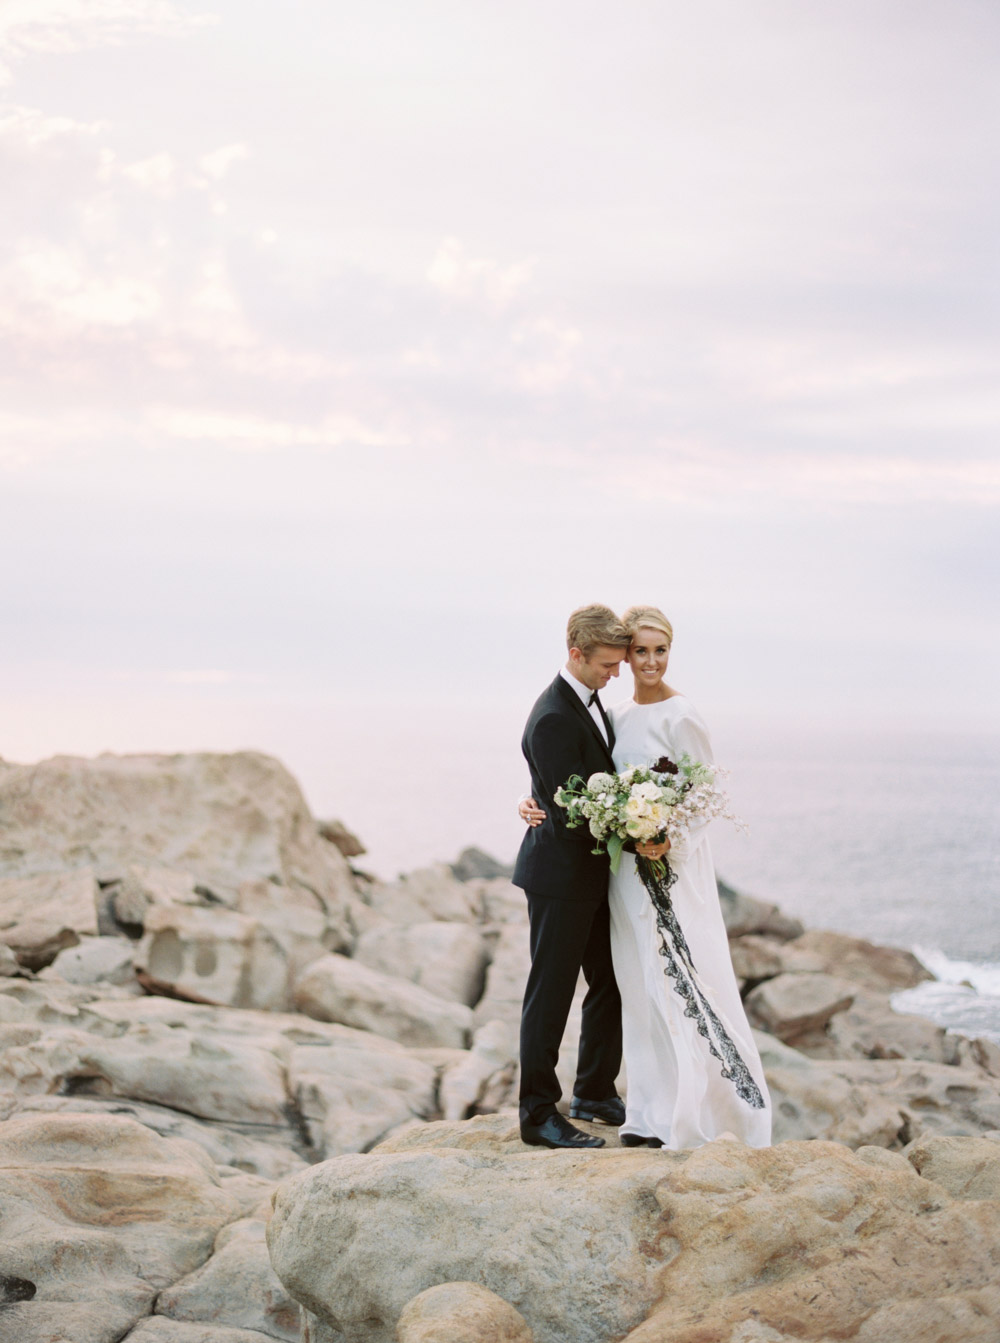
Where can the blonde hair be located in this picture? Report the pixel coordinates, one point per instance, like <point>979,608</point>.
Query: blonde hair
<point>647,617</point>
<point>591,626</point>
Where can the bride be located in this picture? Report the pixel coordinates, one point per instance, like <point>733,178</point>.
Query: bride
<point>693,1070</point>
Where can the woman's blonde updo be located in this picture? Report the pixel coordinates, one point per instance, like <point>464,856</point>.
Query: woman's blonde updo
<point>647,617</point>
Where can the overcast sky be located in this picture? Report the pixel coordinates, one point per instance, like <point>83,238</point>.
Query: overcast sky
<point>345,348</point>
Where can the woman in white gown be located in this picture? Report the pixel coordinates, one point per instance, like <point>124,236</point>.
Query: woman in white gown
<point>693,1070</point>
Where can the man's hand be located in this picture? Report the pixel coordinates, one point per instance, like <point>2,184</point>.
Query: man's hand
<point>653,850</point>
<point>530,812</point>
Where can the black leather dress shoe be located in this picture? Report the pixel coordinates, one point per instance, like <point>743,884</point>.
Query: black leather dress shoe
<point>611,1111</point>
<point>636,1140</point>
<point>557,1132</point>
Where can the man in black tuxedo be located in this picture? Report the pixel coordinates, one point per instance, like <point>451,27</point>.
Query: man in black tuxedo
<point>566,886</point>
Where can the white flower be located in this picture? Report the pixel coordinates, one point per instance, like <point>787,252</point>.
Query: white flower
<point>601,782</point>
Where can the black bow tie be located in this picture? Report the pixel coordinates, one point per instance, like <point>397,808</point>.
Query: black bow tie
<point>594,700</point>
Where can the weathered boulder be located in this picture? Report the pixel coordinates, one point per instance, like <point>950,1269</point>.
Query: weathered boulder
<point>812,1099</point>
<point>45,912</point>
<point>567,1240</point>
<point>337,833</point>
<point>486,1069</point>
<point>756,958</point>
<point>473,863</point>
<point>812,1242</point>
<point>743,914</point>
<point>883,969</point>
<point>506,977</point>
<point>336,988</point>
<point>461,1312</point>
<point>236,1287</point>
<point>798,1242</point>
<point>158,1329</point>
<point>351,1092</point>
<point>222,819</point>
<point>966,1167</point>
<point>427,893</point>
<point>215,1078</point>
<point>95,960</point>
<point>870,1028</point>
<point>793,1006</point>
<point>447,959</point>
<point>885,1103</point>
<point>212,956</point>
<point>230,1148</point>
<point>501,902</point>
<point>98,1215</point>
<point>143,885</point>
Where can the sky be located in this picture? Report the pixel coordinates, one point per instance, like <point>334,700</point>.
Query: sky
<point>344,349</point>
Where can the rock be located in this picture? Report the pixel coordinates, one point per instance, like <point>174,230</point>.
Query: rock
<point>211,956</point>
<point>447,959</point>
<point>95,960</point>
<point>158,1329</point>
<point>756,958</point>
<point>338,989</point>
<point>473,863</point>
<point>743,914</point>
<point>883,969</point>
<point>726,1244</point>
<point>225,1079</point>
<point>871,1029</point>
<point>506,977</point>
<point>884,1103</point>
<point>99,1214</point>
<point>501,902</point>
<point>223,819</point>
<point>811,1242</point>
<point>984,1054</point>
<point>794,1006</point>
<point>228,1148</point>
<point>236,1287</point>
<point>9,964</point>
<point>142,886</point>
<point>567,1240</point>
<point>489,1064</point>
<point>966,1167</point>
<point>352,1092</point>
<point>43,913</point>
<point>337,833</point>
<point>461,1312</point>
<point>427,893</point>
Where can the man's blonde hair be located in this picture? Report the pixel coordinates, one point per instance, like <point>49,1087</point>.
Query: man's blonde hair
<point>591,626</point>
<point>647,617</point>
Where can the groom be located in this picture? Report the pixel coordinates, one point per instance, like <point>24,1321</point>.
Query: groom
<point>566,885</point>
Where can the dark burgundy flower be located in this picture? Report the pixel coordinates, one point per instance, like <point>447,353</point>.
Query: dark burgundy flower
<point>665,766</point>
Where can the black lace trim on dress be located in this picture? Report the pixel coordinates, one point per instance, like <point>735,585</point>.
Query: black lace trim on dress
<point>680,968</point>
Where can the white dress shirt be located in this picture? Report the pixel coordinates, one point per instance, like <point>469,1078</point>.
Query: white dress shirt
<point>585,693</point>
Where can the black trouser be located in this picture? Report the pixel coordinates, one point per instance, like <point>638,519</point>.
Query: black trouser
<point>568,936</point>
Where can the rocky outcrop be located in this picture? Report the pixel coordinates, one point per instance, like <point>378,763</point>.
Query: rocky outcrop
<point>99,1215</point>
<point>461,1312</point>
<point>336,988</point>
<point>805,1240</point>
<point>215,822</point>
<point>194,981</point>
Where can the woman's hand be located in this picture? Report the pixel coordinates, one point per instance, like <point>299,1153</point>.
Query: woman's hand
<point>530,812</point>
<point>649,850</point>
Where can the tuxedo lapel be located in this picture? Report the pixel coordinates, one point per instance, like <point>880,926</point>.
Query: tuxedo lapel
<point>577,705</point>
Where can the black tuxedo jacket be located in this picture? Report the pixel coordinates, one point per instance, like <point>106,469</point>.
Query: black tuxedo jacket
<point>561,739</point>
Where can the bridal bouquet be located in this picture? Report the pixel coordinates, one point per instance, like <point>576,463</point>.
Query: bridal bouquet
<point>643,805</point>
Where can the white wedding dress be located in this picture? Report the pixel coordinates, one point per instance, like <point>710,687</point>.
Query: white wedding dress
<point>693,1070</point>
